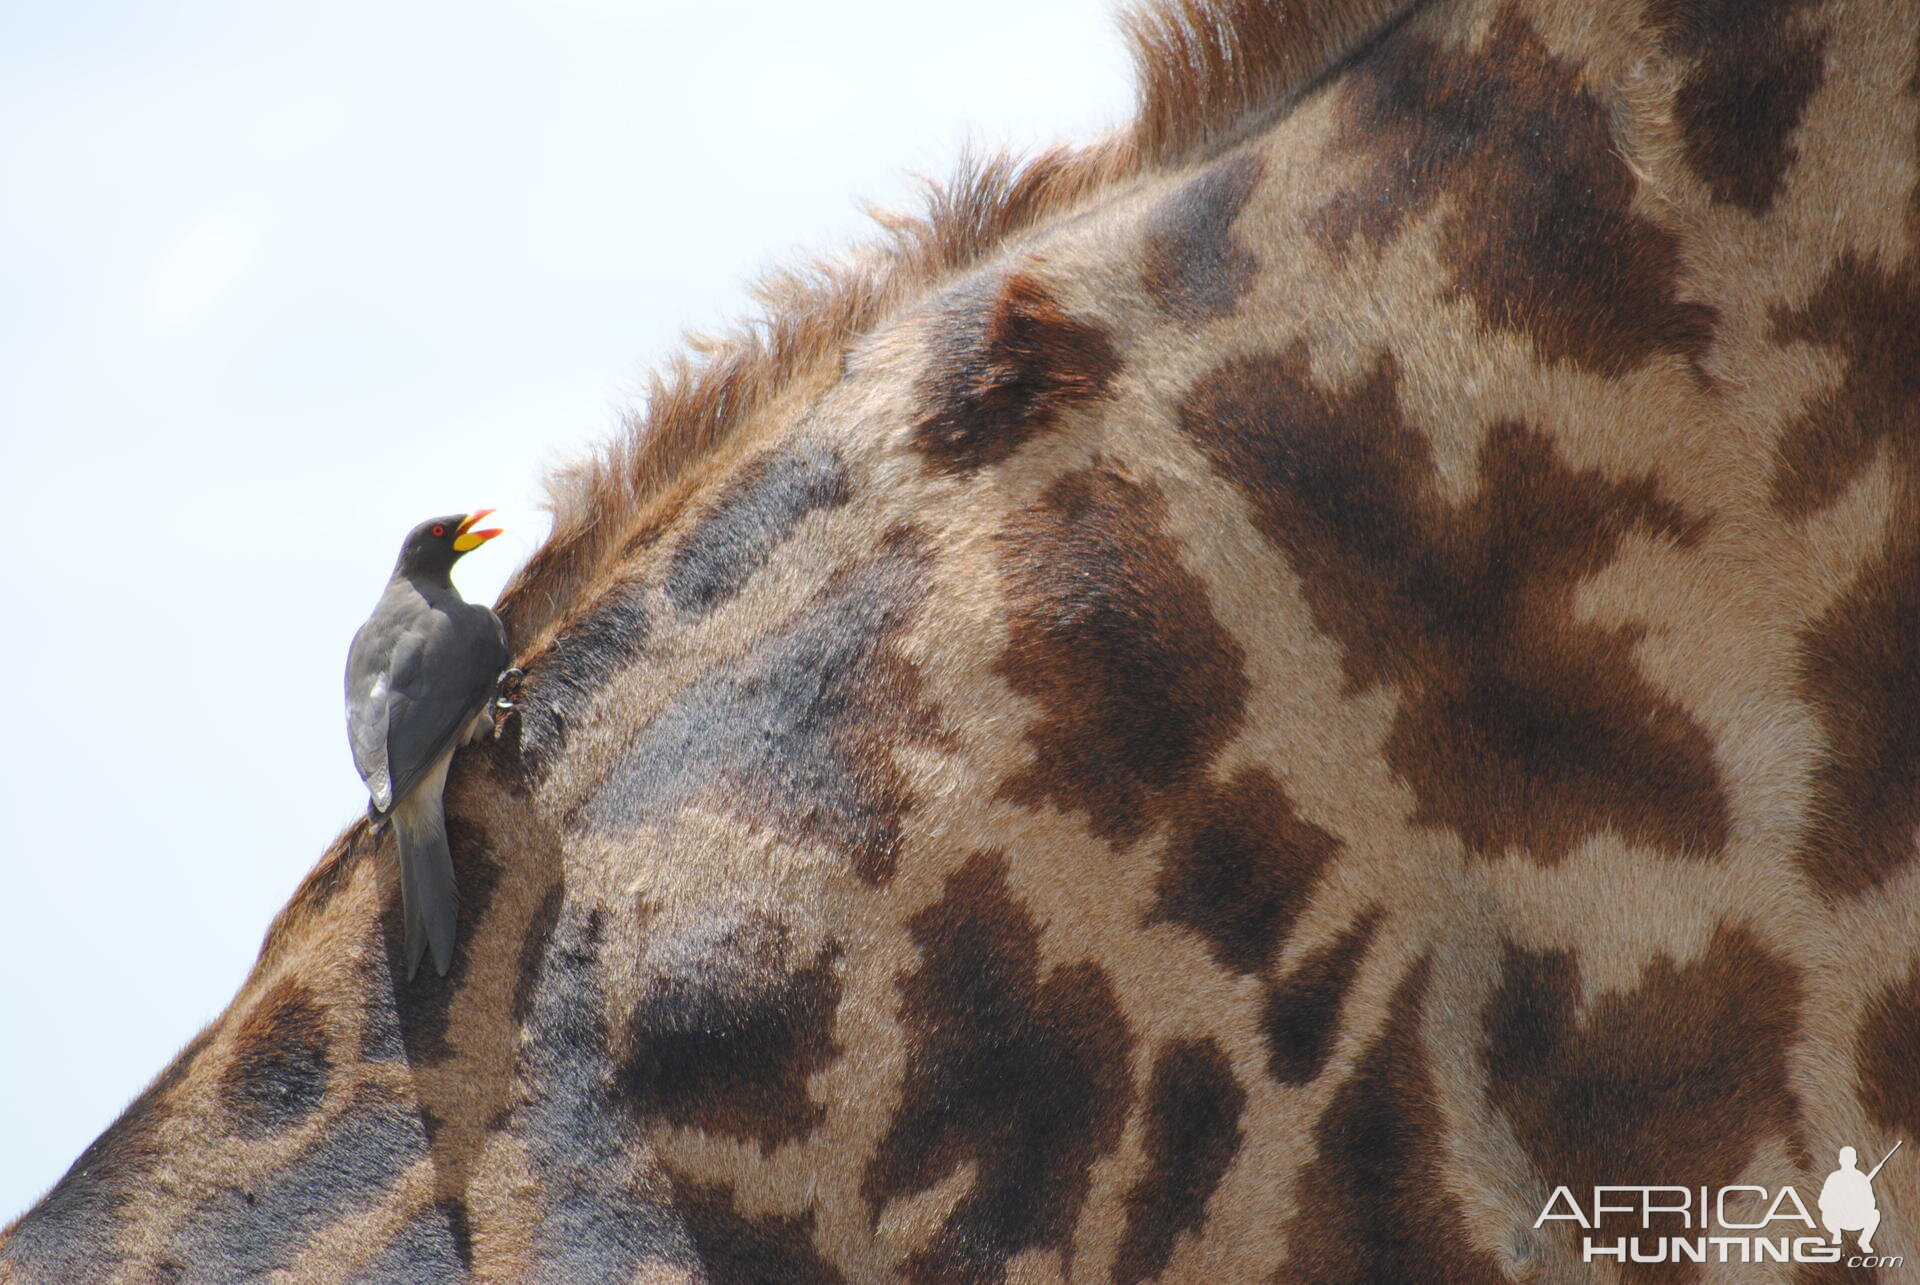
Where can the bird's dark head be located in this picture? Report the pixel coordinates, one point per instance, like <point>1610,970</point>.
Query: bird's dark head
<point>436,544</point>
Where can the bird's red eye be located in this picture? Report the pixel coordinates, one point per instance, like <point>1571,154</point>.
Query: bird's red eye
<point>439,528</point>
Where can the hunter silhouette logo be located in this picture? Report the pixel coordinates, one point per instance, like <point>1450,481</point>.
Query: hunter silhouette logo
<point>1846,1201</point>
<point>1742,1223</point>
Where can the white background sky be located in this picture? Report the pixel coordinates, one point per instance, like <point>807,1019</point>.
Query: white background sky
<point>278,281</point>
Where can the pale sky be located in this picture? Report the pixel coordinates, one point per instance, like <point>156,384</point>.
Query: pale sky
<point>278,281</point>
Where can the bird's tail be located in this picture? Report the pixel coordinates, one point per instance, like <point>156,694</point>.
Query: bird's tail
<point>428,897</point>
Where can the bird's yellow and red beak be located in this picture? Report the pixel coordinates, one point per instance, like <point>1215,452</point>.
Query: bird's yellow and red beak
<point>466,539</point>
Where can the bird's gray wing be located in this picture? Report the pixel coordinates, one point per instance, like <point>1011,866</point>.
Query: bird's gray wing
<point>368,686</point>
<point>443,673</point>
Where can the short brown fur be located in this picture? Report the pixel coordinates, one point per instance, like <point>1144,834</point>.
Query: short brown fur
<point>1243,702</point>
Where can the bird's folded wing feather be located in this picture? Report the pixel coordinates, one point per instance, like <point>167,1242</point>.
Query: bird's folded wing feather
<point>367,690</point>
<point>442,676</point>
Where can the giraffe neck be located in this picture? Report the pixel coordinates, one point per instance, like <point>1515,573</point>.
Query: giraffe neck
<point>1327,681</point>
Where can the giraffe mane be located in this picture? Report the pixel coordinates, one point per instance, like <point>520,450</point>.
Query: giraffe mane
<point>1205,72</point>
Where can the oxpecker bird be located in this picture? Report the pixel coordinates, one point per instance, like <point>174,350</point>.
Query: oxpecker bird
<point>421,677</point>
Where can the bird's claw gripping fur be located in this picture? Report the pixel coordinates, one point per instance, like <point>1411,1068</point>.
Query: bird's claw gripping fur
<point>505,687</point>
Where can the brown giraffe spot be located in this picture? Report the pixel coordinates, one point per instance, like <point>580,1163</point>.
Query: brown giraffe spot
<point>1521,723</point>
<point>1888,1061</point>
<point>563,680</point>
<point>1028,1082</point>
<point>1676,1081</point>
<point>757,510</point>
<point>436,1245</point>
<point>735,1249</point>
<point>245,1232</point>
<point>1860,667</point>
<point>1194,269</point>
<point>1239,867</point>
<point>799,735</point>
<point>1192,1134</point>
<point>1374,1202</point>
<point>1301,1015</point>
<point>1860,662</point>
<point>1538,228</point>
<point>1116,641</point>
<point>278,1072</point>
<point>408,1020</point>
<point>1754,72</point>
<point>72,1233</point>
<point>596,1218</point>
<point>1866,315</point>
<point>728,1029</point>
<point>1006,364</point>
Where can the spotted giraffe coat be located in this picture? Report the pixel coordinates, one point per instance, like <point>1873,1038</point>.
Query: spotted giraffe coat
<point>1243,702</point>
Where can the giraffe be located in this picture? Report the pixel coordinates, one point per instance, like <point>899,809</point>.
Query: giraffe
<point>1251,700</point>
